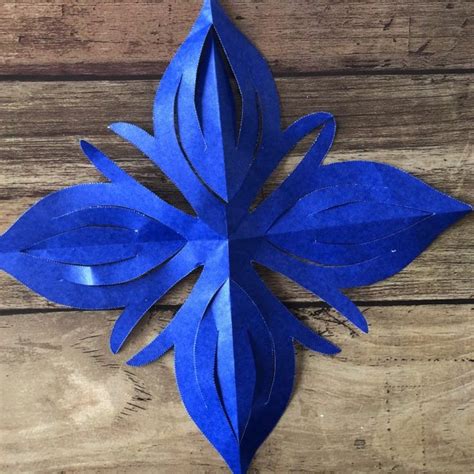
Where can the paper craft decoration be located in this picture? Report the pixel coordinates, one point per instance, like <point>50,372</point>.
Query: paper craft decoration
<point>217,136</point>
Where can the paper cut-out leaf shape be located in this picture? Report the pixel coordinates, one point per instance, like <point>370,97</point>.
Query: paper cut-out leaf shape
<point>218,138</point>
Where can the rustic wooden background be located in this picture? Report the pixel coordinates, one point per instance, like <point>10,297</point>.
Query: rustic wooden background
<point>398,76</point>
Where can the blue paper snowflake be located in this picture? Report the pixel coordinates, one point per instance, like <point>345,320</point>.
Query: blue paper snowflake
<point>218,137</point>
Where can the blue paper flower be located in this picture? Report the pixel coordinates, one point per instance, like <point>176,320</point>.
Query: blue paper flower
<point>217,136</point>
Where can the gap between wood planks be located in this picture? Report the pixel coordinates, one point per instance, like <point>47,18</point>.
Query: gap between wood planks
<point>292,305</point>
<point>278,75</point>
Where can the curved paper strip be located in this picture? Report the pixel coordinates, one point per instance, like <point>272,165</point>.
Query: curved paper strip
<point>166,277</point>
<point>270,157</point>
<point>288,140</point>
<point>311,278</point>
<point>167,214</point>
<point>103,164</point>
<point>85,246</point>
<point>101,235</point>
<point>167,157</point>
<point>284,327</point>
<point>191,313</point>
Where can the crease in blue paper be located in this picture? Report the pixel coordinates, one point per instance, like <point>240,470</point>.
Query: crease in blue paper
<point>217,136</point>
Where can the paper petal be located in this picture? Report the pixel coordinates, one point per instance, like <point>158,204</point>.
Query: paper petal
<point>361,223</point>
<point>92,246</point>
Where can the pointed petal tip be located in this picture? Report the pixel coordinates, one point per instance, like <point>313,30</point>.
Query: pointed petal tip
<point>330,349</point>
<point>240,466</point>
<point>358,319</point>
<point>460,207</point>
<point>465,208</point>
<point>114,346</point>
<point>209,9</point>
<point>327,115</point>
<point>114,127</point>
<point>321,345</point>
<point>86,146</point>
<point>208,4</point>
<point>135,361</point>
<point>335,350</point>
<point>363,326</point>
<point>120,127</point>
<point>456,207</point>
<point>92,153</point>
<point>458,210</point>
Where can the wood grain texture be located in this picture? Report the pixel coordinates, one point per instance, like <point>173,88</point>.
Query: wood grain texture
<point>137,38</point>
<point>398,76</point>
<point>399,399</point>
<point>419,123</point>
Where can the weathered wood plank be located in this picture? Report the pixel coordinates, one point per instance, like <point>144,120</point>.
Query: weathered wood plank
<point>398,399</point>
<point>140,37</point>
<point>388,119</point>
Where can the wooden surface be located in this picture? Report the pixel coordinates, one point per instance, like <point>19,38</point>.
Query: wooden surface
<point>398,399</point>
<point>138,38</point>
<point>398,75</point>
